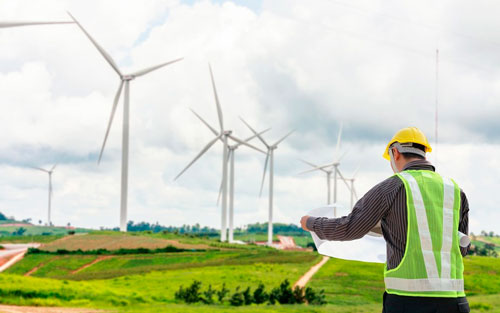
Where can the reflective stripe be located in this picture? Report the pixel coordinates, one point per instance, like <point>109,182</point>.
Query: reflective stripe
<point>431,284</point>
<point>448,203</point>
<point>423,227</point>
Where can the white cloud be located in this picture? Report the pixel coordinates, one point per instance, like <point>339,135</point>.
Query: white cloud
<point>289,65</point>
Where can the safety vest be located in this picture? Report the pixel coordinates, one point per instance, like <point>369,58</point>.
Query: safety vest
<point>432,264</point>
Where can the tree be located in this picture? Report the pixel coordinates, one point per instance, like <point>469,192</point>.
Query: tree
<point>260,295</point>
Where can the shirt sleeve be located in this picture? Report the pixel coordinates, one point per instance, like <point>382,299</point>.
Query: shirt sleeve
<point>463,225</point>
<point>367,212</point>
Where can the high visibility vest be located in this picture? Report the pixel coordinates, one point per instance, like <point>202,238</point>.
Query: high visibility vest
<point>432,264</point>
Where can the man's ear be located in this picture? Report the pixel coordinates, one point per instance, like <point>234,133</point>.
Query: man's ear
<point>396,154</point>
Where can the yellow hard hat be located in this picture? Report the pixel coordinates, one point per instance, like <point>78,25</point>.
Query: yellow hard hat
<point>407,135</point>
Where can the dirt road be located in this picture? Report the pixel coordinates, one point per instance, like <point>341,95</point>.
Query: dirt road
<point>307,276</point>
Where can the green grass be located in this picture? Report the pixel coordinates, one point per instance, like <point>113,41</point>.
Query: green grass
<point>147,283</point>
<point>33,230</point>
<point>28,239</point>
<point>114,266</point>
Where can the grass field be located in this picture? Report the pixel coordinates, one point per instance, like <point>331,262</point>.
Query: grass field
<point>147,282</point>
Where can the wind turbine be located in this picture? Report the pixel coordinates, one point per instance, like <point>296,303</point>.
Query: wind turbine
<point>28,23</point>
<point>224,135</point>
<point>328,172</point>
<point>50,187</point>
<point>125,81</point>
<point>352,189</point>
<point>270,159</point>
<point>232,149</point>
<point>331,168</point>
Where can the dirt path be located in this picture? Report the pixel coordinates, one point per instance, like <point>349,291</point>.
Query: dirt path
<point>34,269</point>
<point>99,259</point>
<point>307,276</point>
<point>31,309</point>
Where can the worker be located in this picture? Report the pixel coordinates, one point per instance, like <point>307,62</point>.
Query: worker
<point>420,214</point>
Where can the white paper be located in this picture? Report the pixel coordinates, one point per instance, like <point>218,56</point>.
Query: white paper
<point>370,248</point>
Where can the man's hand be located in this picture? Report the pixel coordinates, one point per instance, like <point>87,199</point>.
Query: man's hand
<point>303,222</point>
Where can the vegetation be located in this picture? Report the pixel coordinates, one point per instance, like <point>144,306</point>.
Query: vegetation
<point>282,294</point>
<point>121,251</point>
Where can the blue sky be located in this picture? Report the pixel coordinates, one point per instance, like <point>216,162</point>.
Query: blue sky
<point>369,65</point>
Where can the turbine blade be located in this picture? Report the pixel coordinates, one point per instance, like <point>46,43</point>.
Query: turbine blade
<point>26,23</point>
<point>264,175</point>
<point>219,109</point>
<point>284,137</point>
<point>103,52</point>
<point>113,110</point>
<point>343,178</point>
<point>154,68</point>
<point>252,137</point>
<point>245,143</point>
<point>354,192</point>
<point>53,167</point>
<point>216,133</point>
<point>308,163</point>
<point>316,167</point>
<point>338,140</point>
<point>343,155</point>
<point>39,168</point>
<point>355,172</point>
<point>205,149</point>
<point>253,131</point>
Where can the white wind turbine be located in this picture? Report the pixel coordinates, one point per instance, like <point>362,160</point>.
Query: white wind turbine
<point>224,135</point>
<point>125,80</point>
<point>328,172</point>
<point>232,149</point>
<point>270,159</point>
<point>352,189</point>
<point>49,221</point>
<point>331,168</point>
<point>28,23</point>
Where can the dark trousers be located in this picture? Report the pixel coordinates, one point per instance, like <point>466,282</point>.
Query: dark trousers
<point>402,304</point>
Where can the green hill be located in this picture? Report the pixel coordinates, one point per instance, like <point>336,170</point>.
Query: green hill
<point>147,282</point>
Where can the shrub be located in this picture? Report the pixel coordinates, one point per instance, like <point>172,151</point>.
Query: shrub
<point>237,298</point>
<point>298,294</point>
<point>315,298</point>
<point>221,294</point>
<point>190,294</point>
<point>208,295</point>
<point>260,295</point>
<point>247,296</point>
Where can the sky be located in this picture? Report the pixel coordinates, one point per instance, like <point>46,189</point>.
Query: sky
<point>289,65</point>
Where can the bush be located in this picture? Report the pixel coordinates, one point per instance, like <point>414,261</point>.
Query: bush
<point>208,295</point>
<point>260,295</point>
<point>237,298</point>
<point>247,296</point>
<point>221,294</point>
<point>282,294</point>
<point>315,298</point>
<point>191,294</point>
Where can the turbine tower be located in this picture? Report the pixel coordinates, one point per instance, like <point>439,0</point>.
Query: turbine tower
<point>352,189</point>
<point>125,81</point>
<point>224,135</point>
<point>232,149</point>
<point>270,159</point>
<point>49,221</point>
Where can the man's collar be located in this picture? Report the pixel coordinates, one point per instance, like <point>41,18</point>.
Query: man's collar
<point>419,165</point>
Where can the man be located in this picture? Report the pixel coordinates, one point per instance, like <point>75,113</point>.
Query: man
<point>420,214</point>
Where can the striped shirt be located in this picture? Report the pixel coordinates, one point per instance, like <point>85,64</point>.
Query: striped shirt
<point>384,203</point>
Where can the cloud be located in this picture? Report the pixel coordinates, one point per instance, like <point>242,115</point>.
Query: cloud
<point>282,64</point>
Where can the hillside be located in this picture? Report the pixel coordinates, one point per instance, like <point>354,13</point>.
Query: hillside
<point>147,282</point>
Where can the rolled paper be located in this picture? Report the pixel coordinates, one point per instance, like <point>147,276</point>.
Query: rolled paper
<point>464,240</point>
